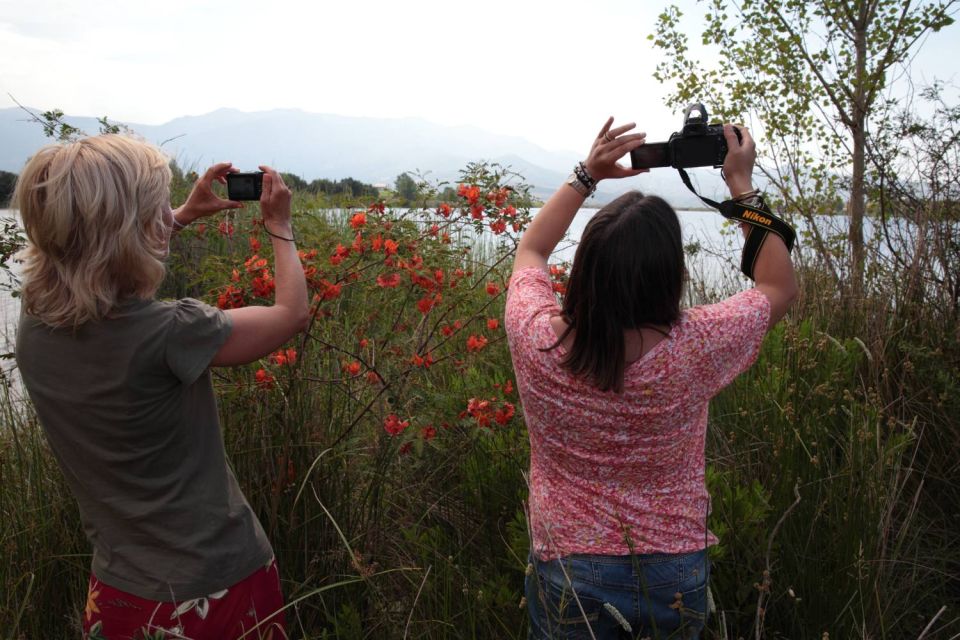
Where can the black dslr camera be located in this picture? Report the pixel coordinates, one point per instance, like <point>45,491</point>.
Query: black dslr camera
<point>698,144</point>
<point>244,186</point>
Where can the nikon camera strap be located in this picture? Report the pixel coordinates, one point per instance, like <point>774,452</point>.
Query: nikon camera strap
<point>761,218</point>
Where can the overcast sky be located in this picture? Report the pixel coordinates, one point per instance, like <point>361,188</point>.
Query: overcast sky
<point>549,71</point>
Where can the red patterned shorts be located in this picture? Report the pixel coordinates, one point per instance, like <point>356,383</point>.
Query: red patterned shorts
<point>252,608</point>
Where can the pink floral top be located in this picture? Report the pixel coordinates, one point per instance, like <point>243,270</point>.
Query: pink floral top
<point>611,472</point>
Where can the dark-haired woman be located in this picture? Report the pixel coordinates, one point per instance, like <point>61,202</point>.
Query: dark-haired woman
<point>615,385</point>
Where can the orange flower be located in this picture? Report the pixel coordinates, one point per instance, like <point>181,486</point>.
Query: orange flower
<point>255,263</point>
<point>428,302</point>
<point>422,361</point>
<point>471,193</point>
<point>339,254</point>
<point>428,432</point>
<point>476,211</point>
<point>254,244</point>
<point>389,281</point>
<point>503,414</point>
<point>394,426</point>
<point>498,227</point>
<point>358,243</point>
<point>263,379</point>
<point>358,220</point>
<point>263,285</point>
<point>352,368</point>
<point>492,288</point>
<point>390,247</point>
<point>329,290</point>
<point>284,356</point>
<point>476,343</point>
<point>231,298</point>
<point>492,323</point>
<point>444,210</point>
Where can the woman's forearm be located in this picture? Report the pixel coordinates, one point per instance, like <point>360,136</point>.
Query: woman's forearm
<point>291,285</point>
<point>551,223</point>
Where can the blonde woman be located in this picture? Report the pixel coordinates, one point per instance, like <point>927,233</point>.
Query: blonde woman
<point>121,386</point>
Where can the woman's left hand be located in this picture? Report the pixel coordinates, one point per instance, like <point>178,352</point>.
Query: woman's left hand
<point>202,201</point>
<point>610,146</point>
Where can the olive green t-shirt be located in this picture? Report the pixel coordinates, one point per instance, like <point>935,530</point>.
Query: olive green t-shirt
<point>129,411</point>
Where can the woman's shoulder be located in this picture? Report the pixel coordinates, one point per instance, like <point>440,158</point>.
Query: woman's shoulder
<point>746,303</point>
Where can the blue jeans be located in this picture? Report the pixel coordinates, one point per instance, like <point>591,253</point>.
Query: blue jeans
<point>658,596</point>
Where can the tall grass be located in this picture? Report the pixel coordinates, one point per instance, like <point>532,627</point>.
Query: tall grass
<point>830,463</point>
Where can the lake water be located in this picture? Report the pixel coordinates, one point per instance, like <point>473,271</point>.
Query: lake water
<point>713,247</point>
<point>9,309</point>
<point>715,263</point>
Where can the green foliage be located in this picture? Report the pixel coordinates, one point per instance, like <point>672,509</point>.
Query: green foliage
<point>812,74</point>
<point>7,182</point>
<point>406,188</point>
<point>377,530</point>
<point>422,534</point>
<point>341,192</point>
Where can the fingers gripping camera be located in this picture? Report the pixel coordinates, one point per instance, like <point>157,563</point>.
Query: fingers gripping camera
<point>698,144</point>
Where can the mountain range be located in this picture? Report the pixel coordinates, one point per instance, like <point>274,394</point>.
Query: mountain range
<point>373,150</point>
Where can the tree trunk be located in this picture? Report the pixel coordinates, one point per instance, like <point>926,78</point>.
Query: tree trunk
<point>857,209</point>
<point>858,114</point>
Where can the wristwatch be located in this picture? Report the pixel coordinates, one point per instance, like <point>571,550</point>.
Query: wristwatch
<point>578,186</point>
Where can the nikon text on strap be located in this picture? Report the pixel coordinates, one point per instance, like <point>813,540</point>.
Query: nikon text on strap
<point>760,218</point>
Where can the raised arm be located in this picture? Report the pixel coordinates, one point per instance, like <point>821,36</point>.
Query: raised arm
<point>773,270</point>
<point>553,220</point>
<point>259,330</point>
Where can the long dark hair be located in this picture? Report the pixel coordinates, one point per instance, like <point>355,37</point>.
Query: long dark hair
<point>628,273</point>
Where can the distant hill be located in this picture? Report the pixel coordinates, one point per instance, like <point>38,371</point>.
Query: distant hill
<point>373,150</point>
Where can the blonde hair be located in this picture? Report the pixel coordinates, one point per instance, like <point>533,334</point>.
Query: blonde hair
<point>92,210</point>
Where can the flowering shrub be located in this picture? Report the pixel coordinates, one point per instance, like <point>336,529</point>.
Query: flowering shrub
<point>402,299</point>
<point>403,374</point>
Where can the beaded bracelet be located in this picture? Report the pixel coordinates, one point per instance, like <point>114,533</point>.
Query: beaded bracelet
<point>584,176</point>
<point>745,195</point>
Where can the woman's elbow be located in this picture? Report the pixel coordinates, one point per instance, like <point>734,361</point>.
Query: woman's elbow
<point>301,319</point>
<point>792,293</point>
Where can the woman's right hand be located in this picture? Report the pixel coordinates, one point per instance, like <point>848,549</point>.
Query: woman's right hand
<point>275,199</point>
<point>741,156</point>
<point>609,146</point>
